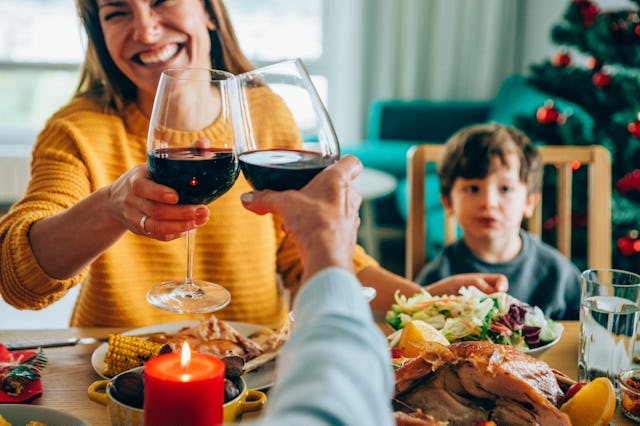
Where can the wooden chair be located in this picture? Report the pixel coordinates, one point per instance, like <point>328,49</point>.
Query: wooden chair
<point>595,157</point>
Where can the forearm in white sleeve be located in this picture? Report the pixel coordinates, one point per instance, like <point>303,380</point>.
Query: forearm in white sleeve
<point>335,368</point>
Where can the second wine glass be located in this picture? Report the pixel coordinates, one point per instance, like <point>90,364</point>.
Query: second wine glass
<point>191,149</point>
<point>305,142</point>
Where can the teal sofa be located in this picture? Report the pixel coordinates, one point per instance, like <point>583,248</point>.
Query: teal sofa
<point>395,126</point>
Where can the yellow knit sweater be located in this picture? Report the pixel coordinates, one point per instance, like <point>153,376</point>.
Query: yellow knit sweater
<point>82,149</point>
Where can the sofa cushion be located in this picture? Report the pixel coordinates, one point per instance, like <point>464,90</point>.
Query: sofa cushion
<point>422,120</point>
<point>386,155</point>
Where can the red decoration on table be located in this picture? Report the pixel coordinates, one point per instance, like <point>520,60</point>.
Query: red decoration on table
<point>601,79</point>
<point>561,59</point>
<point>183,389</point>
<point>21,368</point>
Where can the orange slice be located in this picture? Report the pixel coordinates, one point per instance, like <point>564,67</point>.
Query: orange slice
<point>593,405</point>
<point>414,334</point>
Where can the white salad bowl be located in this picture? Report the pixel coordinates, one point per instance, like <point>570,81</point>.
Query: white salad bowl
<point>537,352</point>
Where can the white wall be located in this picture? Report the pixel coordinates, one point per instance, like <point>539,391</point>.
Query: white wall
<point>540,16</point>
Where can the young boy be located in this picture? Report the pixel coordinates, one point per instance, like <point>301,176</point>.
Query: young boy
<point>490,179</point>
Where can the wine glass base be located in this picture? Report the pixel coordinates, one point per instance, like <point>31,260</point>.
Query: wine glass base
<point>185,298</point>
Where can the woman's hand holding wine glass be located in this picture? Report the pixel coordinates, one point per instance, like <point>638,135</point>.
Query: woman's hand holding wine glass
<point>191,149</point>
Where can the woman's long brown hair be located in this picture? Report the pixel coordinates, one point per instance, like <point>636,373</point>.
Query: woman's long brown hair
<point>102,81</point>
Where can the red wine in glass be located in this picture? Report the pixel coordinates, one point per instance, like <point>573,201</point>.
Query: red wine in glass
<point>282,169</point>
<point>301,144</point>
<point>191,148</point>
<point>199,175</point>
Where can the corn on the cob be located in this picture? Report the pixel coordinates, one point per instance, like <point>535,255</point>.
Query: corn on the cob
<point>4,422</point>
<point>127,352</point>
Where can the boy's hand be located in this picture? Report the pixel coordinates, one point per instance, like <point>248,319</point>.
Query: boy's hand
<point>487,283</point>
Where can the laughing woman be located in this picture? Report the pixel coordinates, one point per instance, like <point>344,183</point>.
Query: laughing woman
<point>92,216</point>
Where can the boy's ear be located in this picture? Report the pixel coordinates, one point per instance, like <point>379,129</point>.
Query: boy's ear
<point>530,205</point>
<point>446,203</point>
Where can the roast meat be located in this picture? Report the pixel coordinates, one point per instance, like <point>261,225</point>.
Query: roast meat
<point>470,382</point>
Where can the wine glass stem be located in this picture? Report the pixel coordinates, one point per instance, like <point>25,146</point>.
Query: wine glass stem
<point>191,243</point>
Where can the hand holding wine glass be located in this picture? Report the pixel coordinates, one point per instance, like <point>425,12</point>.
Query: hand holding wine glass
<point>290,158</point>
<point>294,156</point>
<point>191,149</point>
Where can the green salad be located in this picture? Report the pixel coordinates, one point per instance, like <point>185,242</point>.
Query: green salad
<point>474,315</point>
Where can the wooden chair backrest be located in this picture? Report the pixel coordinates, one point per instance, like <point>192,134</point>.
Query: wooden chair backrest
<point>595,157</point>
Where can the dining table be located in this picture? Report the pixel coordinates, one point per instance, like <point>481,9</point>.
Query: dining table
<point>69,371</point>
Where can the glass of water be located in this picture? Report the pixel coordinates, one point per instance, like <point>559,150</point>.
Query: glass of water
<point>610,301</point>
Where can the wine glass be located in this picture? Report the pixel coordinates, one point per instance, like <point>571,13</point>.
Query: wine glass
<point>190,148</point>
<point>288,154</point>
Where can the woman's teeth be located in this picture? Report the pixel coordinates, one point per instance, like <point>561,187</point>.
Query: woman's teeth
<point>160,55</point>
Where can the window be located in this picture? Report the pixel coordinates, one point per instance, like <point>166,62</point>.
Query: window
<point>272,30</point>
<point>41,48</point>
<point>269,30</point>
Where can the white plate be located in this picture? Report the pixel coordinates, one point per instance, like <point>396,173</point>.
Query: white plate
<point>257,379</point>
<point>536,352</point>
<point>21,414</point>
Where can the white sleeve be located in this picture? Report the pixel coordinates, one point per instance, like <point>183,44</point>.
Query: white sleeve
<point>336,367</point>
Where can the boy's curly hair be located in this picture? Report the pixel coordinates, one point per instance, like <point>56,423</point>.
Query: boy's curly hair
<point>470,151</point>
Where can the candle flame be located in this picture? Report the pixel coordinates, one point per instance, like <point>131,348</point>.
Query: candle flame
<point>185,356</point>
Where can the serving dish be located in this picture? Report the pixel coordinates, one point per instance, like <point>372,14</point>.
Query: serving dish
<point>121,413</point>
<point>21,414</point>
<point>472,315</point>
<point>260,378</point>
<point>537,352</point>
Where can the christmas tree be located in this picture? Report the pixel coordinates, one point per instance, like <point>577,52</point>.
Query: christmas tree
<point>597,69</point>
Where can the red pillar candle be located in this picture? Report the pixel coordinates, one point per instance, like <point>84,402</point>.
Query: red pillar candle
<point>183,389</point>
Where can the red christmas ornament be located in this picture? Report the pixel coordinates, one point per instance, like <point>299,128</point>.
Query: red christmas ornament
<point>601,79</point>
<point>575,165</point>
<point>589,11</point>
<point>634,127</point>
<point>636,30</point>
<point>625,245</point>
<point>561,59</point>
<point>629,244</point>
<point>629,182</point>
<point>548,114</point>
<point>593,63</point>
